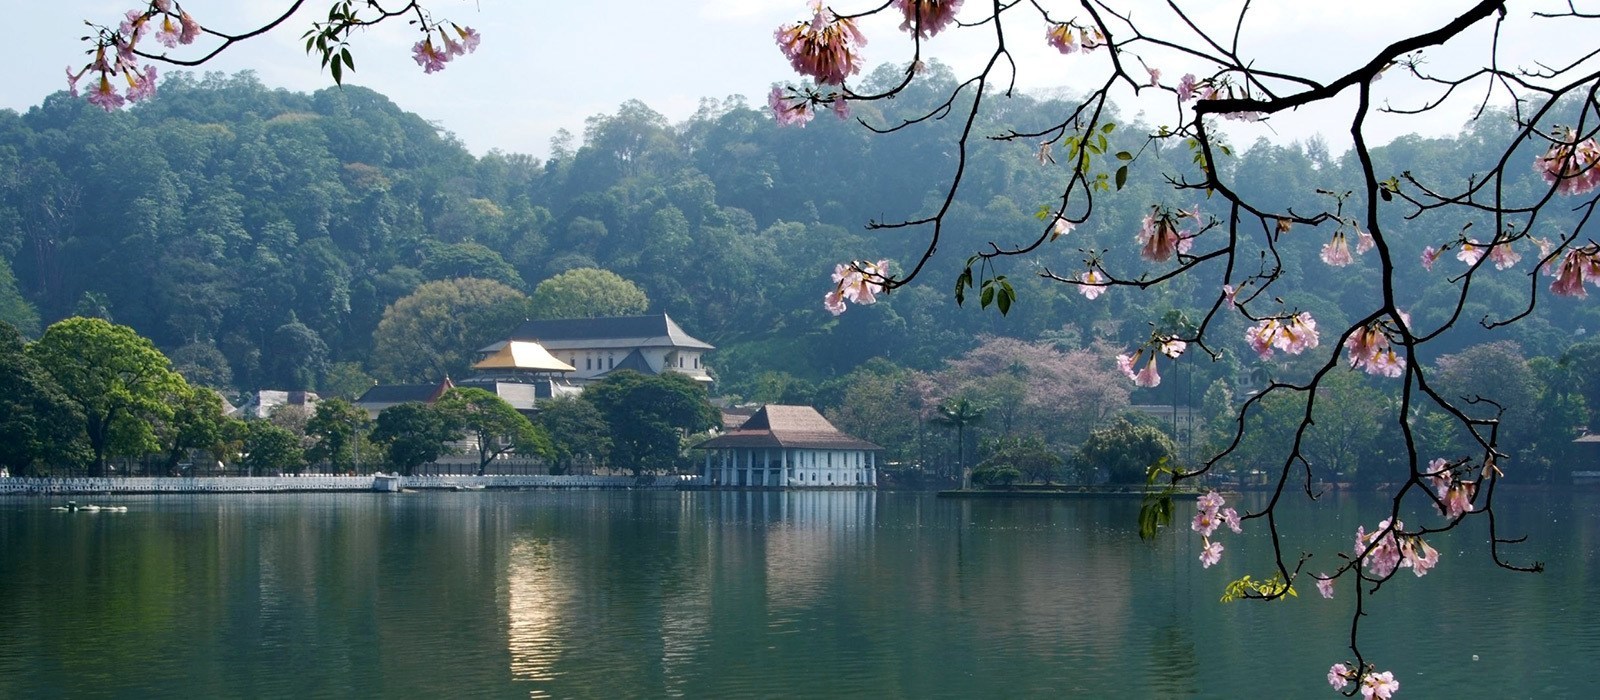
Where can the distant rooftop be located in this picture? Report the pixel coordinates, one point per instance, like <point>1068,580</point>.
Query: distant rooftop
<point>522,355</point>
<point>657,330</point>
<point>788,426</point>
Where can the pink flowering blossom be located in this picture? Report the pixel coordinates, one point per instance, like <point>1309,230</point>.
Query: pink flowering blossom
<point>1091,284</point>
<point>1260,336</point>
<point>1571,274</point>
<point>859,282</point>
<point>1297,334</point>
<point>1159,238</point>
<point>1456,497</point>
<point>1155,76</point>
<point>1336,253</point>
<point>789,109</point>
<point>1379,686</point>
<point>469,37</point>
<point>935,15</point>
<point>1325,587</point>
<point>1148,377</point>
<point>190,28</point>
<point>1440,474</point>
<point>1060,227</point>
<point>1429,255</point>
<point>1210,554</point>
<point>72,80</point>
<point>132,26</point>
<point>1186,87</point>
<point>834,302</point>
<point>1091,39</point>
<point>104,96</point>
<point>1230,517</point>
<point>1205,522</point>
<point>1470,253</point>
<point>1503,255</point>
<point>431,59</point>
<point>1369,349</point>
<point>1339,676</point>
<point>1211,500</point>
<point>826,48</point>
<point>168,34</point>
<point>1172,347</point>
<point>1364,242</point>
<point>841,107</point>
<point>1228,292</point>
<point>1060,36</point>
<point>141,85</point>
<point>1125,364</point>
<point>1570,164</point>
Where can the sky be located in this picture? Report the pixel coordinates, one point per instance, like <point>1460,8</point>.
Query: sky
<point>544,66</point>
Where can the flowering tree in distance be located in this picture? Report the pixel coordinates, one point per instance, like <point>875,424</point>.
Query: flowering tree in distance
<point>1234,241</point>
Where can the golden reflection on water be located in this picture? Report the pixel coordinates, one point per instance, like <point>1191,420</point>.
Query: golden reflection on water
<point>536,592</point>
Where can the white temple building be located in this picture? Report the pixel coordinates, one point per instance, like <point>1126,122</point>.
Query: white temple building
<point>789,447</point>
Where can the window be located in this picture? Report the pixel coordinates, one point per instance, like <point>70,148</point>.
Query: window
<point>611,361</point>
<point>587,363</point>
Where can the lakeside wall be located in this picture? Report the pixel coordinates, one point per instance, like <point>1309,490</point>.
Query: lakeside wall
<point>291,484</point>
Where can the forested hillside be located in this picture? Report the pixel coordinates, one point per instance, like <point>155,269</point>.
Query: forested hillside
<point>258,235</point>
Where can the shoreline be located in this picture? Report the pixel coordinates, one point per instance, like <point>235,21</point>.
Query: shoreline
<point>51,486</point>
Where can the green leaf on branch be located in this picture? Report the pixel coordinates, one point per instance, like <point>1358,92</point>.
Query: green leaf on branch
<point>1122,176</point>
<point>1247,587</point>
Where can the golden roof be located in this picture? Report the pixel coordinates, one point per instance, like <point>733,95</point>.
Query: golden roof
<point>523,355</point>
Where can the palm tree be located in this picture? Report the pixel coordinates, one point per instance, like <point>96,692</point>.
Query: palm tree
<point>959,415</point>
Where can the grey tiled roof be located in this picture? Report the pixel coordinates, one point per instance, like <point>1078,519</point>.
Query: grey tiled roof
<point>657,330</point>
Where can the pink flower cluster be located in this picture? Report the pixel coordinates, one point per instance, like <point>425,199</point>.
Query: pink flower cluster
<point>1386,550</point>
<point>859,282</point>
<point>1091,284</point>
<point>1570,164</point>
<point>1370,349</point>
<point>1068,37</point>
<point>1158,345</point>
<point>1159,237</point>
<point>1291,334</point>
<point>1454,494</point>
<point>927,17</point>
<point>1146,376</point>
<point>1578,266</point>
<point>115,54</point>
<point>1374,685</point>
<point>1210,515</point>
<point>1337,252</point>
<point>824,48</point>
<point>433,57</point>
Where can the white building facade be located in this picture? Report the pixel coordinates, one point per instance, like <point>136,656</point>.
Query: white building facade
<point>789,447</point>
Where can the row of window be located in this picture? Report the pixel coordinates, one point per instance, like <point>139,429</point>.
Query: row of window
<point>592,363</point>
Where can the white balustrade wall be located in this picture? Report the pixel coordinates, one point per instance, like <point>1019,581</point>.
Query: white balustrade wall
<point>288,484</point>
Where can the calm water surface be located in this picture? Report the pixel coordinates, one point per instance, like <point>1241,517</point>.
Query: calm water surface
<point>651,594</point>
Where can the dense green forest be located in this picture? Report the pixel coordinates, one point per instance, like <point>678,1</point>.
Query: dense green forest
<point>259,237</point>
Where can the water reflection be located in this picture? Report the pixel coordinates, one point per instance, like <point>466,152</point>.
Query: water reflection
<point>747,594</point>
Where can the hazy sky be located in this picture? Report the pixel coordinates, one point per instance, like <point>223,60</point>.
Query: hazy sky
<point>548,65</point>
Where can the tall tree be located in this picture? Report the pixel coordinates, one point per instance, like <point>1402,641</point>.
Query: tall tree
<point>434,331</point>
<point>649,415</point>
<point>116,378</point>
<point>588,292</point>
<point>413,434</point>
<point>578,432</point>
<point>336,427</point>
<point>960,415</point>
<point>42,426</point>
<point>495,426</point>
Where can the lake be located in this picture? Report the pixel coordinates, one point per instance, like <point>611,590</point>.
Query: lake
<point>719,594</point>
